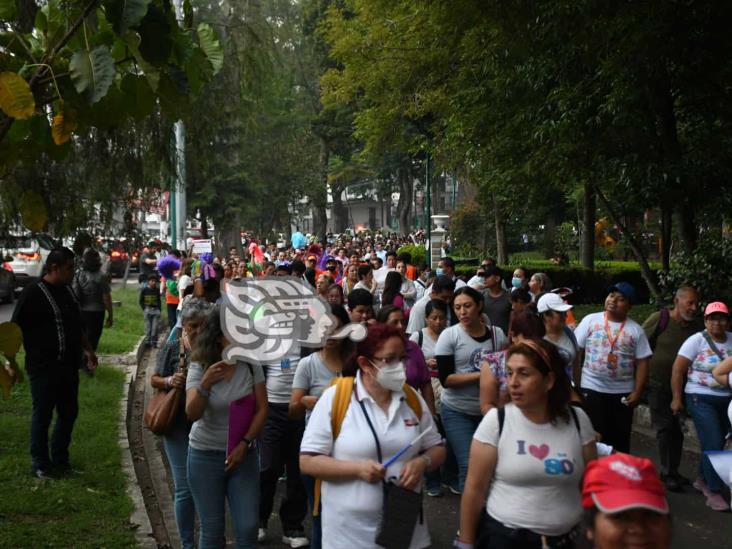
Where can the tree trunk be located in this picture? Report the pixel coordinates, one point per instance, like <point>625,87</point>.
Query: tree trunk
<point>404,206</point>
<point>319,197</point>
<point>228,235</point>
<point>666,227</point>
<point>501,246</point>
<point>587,235</point>
<point>339,212</point>
<point>645,268</point>
<point>687,225</point>
<point>204,226</point>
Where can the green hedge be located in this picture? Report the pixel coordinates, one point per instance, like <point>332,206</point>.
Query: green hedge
<point>589,286</point>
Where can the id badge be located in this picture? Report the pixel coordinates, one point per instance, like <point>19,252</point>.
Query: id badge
<point>285,364</point>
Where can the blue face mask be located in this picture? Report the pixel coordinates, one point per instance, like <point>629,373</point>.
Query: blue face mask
<point>516,282</point>
<point>439,271</point>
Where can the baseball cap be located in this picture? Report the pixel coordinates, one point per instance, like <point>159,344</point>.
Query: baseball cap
<point>716,307</point>
<point>624,288</point>
<point>552,302</point>
<point>620,482</point>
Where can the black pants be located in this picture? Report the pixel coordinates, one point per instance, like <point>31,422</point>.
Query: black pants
<point>610,417</point>
<point>57,387</point>
<point>279,450</point>
<point>172,315</point>
<point>93,322</point>
<point>669,436</point>
<point>495,535</point>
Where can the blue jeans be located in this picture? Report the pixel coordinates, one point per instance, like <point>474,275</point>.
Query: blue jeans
<point>176,449</point>
<point>709,413</point>
<point>317,532</point>
<point>211,486</point>
<point>459,429</point>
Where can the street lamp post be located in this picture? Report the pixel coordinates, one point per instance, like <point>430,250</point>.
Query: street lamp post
<point>428,208</point>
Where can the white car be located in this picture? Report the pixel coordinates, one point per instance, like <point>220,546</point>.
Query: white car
<point>28,255</point>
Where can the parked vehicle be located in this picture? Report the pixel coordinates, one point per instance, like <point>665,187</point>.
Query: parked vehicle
<point>118,256</point>
<point>27,254</point>
<point>8,282</point>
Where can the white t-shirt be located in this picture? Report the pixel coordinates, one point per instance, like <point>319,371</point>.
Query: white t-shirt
<point>597,373</point>
<point>703,360</point>
<point>536,484</point>
<point>566,349</point>
<point>455,341</point>
<point>352,509</point>
<point>183,282</point>
<point>428,344</point>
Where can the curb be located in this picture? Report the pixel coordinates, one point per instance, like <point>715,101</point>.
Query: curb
<point>642,425</point>
<point>139,518</point>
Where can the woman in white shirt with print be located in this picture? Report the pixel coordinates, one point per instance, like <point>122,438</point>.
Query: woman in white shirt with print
<point>528,459</point>
<point>348,465</point>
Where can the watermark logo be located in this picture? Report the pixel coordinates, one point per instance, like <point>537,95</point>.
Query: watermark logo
<point>268,319</point>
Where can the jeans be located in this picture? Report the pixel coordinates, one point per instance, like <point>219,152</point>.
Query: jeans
<point>152,321</point>
<point>459,429</point>
<point>709,413</point>
<point>211,486</point>
<point>176,449</point>
<point>57,387</point>
<point>610,417</point>
<point>280,451</point>
<point>317,532</point>
<point>669,436</point>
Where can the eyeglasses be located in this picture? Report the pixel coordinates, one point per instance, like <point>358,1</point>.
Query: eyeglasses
<point>384,360</point>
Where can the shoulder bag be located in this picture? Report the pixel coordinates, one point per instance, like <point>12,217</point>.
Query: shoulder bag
<point>164,404</point>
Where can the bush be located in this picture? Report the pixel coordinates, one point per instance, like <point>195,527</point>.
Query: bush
<point>588,286</point>
<point>707,268</point>
<point>418,253</point>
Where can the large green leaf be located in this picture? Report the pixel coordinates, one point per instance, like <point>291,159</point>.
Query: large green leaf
<point>155,37</point>
<point>7,10</point>
<point>92,72</point>
<point>211,47</point>
<point>138,97</point>
<point>125,14</point>
<point>16,98</point>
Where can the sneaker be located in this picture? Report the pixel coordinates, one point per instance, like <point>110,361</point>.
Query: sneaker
<point>42,474</point>
<point>295,539</point>
<point>701,486</point>
<point>455,490</point>
<point>717,502</point>
<point>434,492</point>
<point>261,535</point>
<point>672,483</point>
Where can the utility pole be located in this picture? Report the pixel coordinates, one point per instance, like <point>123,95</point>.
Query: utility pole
<point>178,234</point>
<point>428,208</point>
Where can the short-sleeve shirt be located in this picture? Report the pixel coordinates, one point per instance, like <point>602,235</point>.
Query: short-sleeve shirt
<point>313,376</point>
<point>567,349</point>
<point>352,509</point>
<point>280,375</point>
<point>598,374</point>
<point>703,360</point>
<point>455,341</point>
<point>211,431</point>
<point>536,483</point>
<point>90,289</point>
<point>428,344</point>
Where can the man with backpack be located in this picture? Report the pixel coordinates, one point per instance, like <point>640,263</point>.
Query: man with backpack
<point>666,330</point>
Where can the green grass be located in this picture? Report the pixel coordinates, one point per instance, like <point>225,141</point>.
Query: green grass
<point>128,326</point>
<point>91,509</point>
<point>639,313</point>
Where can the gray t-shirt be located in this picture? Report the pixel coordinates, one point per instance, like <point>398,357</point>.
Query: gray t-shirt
<point>90,289</point>
<point>313,376</point>
<point>455,341</point>
<point>498,309</point>
<point>211,431</point>
<point>279,378</point>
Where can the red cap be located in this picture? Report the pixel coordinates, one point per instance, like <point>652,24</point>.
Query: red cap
<point>620,481</point>
<point>716,307</point>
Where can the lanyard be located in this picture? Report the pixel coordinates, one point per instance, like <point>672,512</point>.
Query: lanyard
<point>610,336</point>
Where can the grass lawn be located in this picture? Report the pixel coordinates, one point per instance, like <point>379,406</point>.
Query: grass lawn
<point>90,509</point>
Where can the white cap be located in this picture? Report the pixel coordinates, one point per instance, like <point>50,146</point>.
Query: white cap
<point>552,302</point>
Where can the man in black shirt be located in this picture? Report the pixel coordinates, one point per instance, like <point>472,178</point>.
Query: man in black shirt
<point>49,316</point>
<point>148,262</point>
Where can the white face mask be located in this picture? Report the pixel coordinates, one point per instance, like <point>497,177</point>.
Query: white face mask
<point>391,376</point>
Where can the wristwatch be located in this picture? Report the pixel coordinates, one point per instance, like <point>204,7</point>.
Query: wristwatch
<point>203,392</point>
<point>247,442</point>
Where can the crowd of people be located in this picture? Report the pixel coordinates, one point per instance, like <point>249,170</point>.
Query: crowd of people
<point>485,387</point>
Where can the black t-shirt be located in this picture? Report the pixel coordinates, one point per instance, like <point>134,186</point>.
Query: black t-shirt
<point>45,341</point>
<point>498,309</point>
<point>145,269</point>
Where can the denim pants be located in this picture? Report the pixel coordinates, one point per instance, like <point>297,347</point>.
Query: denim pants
<point>55,387</point>
<point>152,321</point>
<point>211,486</point>
<point>459,429</point>
<point>317,532</point>
<point>709,413</point>
<point>176,450</point>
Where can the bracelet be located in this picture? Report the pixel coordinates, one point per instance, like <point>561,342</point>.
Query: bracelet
<point>169,382</point>
<point>248,442</point>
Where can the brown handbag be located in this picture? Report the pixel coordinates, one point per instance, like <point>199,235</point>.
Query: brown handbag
<point>164,405</point>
